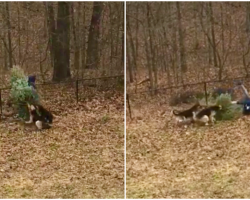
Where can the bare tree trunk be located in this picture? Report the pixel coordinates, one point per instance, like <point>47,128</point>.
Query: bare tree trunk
<point>123,36</point>
<point>5,58</point>
<point>19,35</point>
<point>3,37</point>
<point>148,52</point>
<point>152,48</point>
<point>149,65</point>
<point>129,64</point>
<point>174,40</point>
<point>120,26</point>
<point>196,40</point>
<point>205,9</point>
<point>112,50</point>
<point>51,30</point>
<point>27,44</point>
<point>137,37</point>
<point>101,54</point>
<point>212,33</point>
<point>130,67</point>
<point>62,53</point>
<point>248,16</point>
<point>84,41</point>
<point>222,31</point>
<point>166,59</point>
<point>93,39</point>
<point>78,32</point>
<point>75,39</point>
<point>9,34</point>
<point>132,47</point>
<point>183,62</point>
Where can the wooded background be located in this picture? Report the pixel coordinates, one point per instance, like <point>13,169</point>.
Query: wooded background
<point>172,43</point>
<point>61,40</point>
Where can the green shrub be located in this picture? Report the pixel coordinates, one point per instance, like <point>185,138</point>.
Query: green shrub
<point>21,93</point>
<point>229,111</point>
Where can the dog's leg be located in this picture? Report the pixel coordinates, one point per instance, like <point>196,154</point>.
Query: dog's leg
<point>214,118</point>
<point>39,125</point>
<point>211,119</point>
<point>30,107</point>
<point>30,121</point>
<point>205,120</point>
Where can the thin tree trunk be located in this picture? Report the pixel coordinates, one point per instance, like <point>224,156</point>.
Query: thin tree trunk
<point>9,34</point>
<point>248,16</point>
<point>93,39</point>
<point>164,48</point>
<point>222,31</point>
<point>75,39</point>
<point>111,21</point>
<point>19,35</point>
<point>129,65</point>
<point>132,47</point>
<point>152,49</point>
<point>51,30</point>
<point>182,52</point>
<point>123,36</point>
<point>78,33</point>
<point>174,40</point>
<point>84,41</point>
<point>148,53</point>
<point>137,37</point>
<point>196,40</point>
<point>120,26</point>
<point>204,13</point>
<point>3,38</point>
<point>212,33</point>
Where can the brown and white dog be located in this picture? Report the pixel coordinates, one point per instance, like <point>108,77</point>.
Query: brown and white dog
<point>206,115</point>
<point>40,116</point>
<point>186,114</point>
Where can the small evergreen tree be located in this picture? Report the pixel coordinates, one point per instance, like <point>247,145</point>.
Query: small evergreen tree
<point>21,93</point>
<point>229,111</point>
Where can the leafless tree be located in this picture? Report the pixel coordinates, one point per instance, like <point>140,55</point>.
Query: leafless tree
<point>94,34</point>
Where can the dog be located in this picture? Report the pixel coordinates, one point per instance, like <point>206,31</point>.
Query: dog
<point>42,118</point>
<point>206,115</point>
<point>185,114</point>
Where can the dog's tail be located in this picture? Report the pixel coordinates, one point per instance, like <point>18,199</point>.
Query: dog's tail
<point>175,112</point>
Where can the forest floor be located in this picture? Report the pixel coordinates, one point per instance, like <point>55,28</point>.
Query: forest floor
<point>82,156</point>
<point>164,161</point>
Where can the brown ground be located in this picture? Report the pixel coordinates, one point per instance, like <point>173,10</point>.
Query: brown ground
<point>82,156</point>
<point>164,161</point>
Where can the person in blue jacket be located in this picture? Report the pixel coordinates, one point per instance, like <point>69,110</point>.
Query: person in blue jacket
<point>31,81</point>
<point>245,100</point>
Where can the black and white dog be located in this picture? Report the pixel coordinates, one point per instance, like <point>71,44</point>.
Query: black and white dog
<point>40,116</point>
<point>207,114</point>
